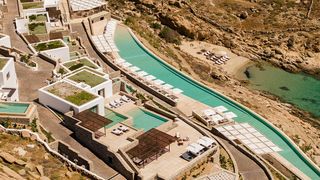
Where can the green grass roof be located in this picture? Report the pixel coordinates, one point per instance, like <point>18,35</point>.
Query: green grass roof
<point>87,78</point>
<point>80,98</point>
<point>73,65</point>
<point>32,5</point>
<point>37,28</point>
<point>48,45</point>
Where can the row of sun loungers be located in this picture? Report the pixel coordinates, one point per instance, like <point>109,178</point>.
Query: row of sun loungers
<point>120,130</point>
<point>218,115</point>
<point>80,5</point>
<point>119,102</point>
<point>216,59</point>
<point>105,42</point>
<point>154,83</point>
<point>196,149</point>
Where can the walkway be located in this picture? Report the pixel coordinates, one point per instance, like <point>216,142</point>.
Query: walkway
<point>9,27</point>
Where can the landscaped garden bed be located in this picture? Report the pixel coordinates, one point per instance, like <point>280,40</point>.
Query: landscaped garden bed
<point>88,78</point>
<point>37,28</point>
<point>73,65</point>
<point>38,18</point>
<point>48,45</point>
<point>71,93</point>
<point>32,5</point>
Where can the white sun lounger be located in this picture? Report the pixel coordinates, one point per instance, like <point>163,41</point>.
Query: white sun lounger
<point>123,128</point>
<point>125,98</point>
<point>117,132</point>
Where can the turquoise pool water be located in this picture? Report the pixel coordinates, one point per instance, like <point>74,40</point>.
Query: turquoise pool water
<point>138,56</point>
<point>114,117</point>
<point>13,107</point>
<point>145,120</point>
<point>298,89</point>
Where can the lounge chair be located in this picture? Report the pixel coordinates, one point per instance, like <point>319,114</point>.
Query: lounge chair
<point>116,132</point>
<point>123,128</point>
<point>113,104</point>
<point>118,101</point>
<point>125,98</point>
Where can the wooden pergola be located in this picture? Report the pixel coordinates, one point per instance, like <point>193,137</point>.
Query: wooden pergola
<point>93,122</point>
<point>152,144</point>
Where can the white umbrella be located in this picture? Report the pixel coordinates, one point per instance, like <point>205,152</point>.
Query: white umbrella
<point>177,91</point>
<point>126,64</point>
<point>229,115</point>
<point>142,73</point>
<point>150,78</point>
<point>134,69</point>
<point>158,82</point>
<point>167,87</point>
<point>220,109</point>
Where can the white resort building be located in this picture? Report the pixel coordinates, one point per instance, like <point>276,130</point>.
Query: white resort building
<point>8,80</point>
<point>5,40</point>
<point>80,90</point>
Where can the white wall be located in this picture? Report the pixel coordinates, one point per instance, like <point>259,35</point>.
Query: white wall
<point>32,11</point>
<point>10,82</point>
<point>5,41</point>
<point>107,86</point>
<point>61,54</point>
<point>64,106</point>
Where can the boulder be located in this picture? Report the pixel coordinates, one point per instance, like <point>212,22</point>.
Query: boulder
<point>33,137</point>
<point>44,178</point>
<point>25,134</point>
<point>30,166</point>
<point>20,151</point>
<point>68,174</point>
<point>11,173</point>
<point>7,157</point>
<point>33,175</point>
<point>244,15</point>
<point>22,172</point>
<point>20,162</point>
<point>40,170</point>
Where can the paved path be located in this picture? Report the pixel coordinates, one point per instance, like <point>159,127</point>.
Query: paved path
<point>9,27</point>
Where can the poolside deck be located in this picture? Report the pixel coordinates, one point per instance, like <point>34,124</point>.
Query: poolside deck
<point>170,163</point>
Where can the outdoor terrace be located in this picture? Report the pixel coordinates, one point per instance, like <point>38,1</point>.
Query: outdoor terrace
<point>70,93</point>
<point>37,28</point>
<point>38,18</point>
<point>87,77</point>
<point>3,62</point>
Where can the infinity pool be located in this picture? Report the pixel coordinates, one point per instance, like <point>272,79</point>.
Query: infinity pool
<point>114,117</point>
<point>145,120</point>
<point>135,54</point>
<point>13,108</point>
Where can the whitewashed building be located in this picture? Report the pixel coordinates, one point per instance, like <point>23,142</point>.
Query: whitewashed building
<point>8,80</point>
<point>56,49</point>
<point>5,40</point>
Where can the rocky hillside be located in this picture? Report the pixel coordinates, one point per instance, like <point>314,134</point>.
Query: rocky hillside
<point>284,32</point>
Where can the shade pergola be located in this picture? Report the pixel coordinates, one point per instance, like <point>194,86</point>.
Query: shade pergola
<point>177,91</point>
<point>134,69</point>
<point>151,144</point>
<point>220,109</point>
<point>142,73</point>
<point>167,86</point>
<point>126,64</point>
<point>92,121</point>
<point>229,115</point>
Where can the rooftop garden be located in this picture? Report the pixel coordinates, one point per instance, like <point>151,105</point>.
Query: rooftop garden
<point>32,5</point>
<point>3,62</point>
<point>73,65</point>
<point>87,78</point>
<point>71,93</point>
<point>48,45</point>
<point>38,17</point>
<point>37,28</point>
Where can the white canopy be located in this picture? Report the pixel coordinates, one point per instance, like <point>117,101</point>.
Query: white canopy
<point>158,82</point>
<point>177,91</point>
<point>216,118</point>
<point>204,143</point>
<point>209,140</point>
<point>142,73</point>
<point>193,150</point>
<point>167,87</point>
<point>150,78</point>
<point>220,109</point>
<point>208,112</point>
<point>134,69</point>
<point>197,146</point>
<point>229,115</point>
<point>126,64</point>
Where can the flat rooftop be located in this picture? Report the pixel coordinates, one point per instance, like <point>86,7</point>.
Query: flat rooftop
<point>70,93</point>
<point>87,77</point>
<point>32,5</point>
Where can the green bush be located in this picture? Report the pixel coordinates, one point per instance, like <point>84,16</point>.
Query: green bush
<point>155,25</point>
<point>76,66</point>
<point>170,35</point>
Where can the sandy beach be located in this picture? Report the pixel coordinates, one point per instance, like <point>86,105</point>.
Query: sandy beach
<point>232,66</point>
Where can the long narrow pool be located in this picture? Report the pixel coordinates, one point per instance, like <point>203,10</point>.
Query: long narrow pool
<point>134,53</point>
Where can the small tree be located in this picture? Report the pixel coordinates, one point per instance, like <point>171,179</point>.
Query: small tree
<point>170,35</point>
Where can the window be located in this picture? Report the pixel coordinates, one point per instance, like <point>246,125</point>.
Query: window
<point>8,75</point>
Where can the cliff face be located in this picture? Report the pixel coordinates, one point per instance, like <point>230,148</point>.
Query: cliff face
<point>284,32</point>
